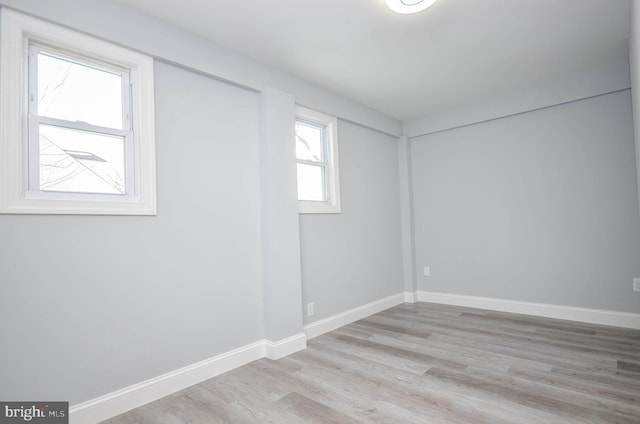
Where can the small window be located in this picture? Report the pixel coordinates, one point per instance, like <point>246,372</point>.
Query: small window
<point>78,123</point>
<point>317,162</point>
<point>80,137</point>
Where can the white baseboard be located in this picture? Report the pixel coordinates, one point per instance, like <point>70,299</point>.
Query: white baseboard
<point>123,400</point>
<point>410,297</point>
<point>285,347</point>
<point>571,313</point>
<point>331,323</point>
<point>118,402</point>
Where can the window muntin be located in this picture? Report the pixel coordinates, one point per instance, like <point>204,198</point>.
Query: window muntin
<point>107,144</point>
<point>317,162</point>
<point>311,153</point>
<point>80,134</point>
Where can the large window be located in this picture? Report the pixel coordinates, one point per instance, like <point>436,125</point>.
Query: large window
<point>317,161</point>
<point>77,123</point>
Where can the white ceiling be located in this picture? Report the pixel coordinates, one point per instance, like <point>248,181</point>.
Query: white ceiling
<point>455,53</point>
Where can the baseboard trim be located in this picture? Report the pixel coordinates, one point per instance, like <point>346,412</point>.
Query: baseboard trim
<point>285,347</point>
<point>410,297</point>
<point>131,397</point>
<point>120,401</point>
<point>331,323</point>
<point>571,313</point>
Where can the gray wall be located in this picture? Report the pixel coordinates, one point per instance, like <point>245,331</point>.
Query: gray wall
<point>355,257</point>
<point>91,304</point>
<point>281,277</point>
<point>634,62</point>
<point>538,207</point>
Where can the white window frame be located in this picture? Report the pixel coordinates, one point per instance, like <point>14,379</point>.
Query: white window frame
<point>20,35</point>
<point>331,164</point>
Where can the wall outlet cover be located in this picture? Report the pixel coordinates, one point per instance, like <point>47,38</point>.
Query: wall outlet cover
<point>310,309</point>
<point>636,284</point>
<point>427,271</point>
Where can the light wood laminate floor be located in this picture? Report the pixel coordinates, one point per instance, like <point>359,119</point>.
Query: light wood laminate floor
<point>427,363</point>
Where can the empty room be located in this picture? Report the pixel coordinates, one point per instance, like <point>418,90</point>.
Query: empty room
<point>319,211</point>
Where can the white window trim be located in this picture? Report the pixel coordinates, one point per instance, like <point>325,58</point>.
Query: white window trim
<point>16,32</point>
<point>332,204</point>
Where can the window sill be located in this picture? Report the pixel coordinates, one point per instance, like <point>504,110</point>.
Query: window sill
<point>317,208</point>
<point>62,207</point>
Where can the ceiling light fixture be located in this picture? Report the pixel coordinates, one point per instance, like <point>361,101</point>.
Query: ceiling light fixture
<point>409,6</point>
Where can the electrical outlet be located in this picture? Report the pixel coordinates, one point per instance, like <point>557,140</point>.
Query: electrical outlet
<point>636,284</point>
<point>427,271</point>
<point>310,309</point>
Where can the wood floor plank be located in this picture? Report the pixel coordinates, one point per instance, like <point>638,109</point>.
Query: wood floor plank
<point>461,354</point>
<point>588,387</point>
<point>629,366</point>
<point>397,352</point>
<point>427,363</point>
<point>531,398</point>
<point>312,412</point>
<point>598,406</point>
<point>520,336</point>
<point>410,392</point>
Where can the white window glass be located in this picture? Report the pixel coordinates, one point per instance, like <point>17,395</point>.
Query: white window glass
<point>77,125</point>
<point>81,161</point>
<point>311,182</point>
<point>79,93</point>
<point>317,161</point>
<point>310,141</point>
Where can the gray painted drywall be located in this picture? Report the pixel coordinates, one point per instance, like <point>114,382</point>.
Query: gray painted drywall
<point>634,59</point>
<point>355,257</point>
<point>92,304</point>
<point>117,300</point>
<point>611,77</point>
<point>282,286</point>
<point>538,207</point>
<point>406,216</point>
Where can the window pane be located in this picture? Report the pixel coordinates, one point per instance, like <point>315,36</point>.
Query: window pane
<point>311,183</point>
<point>75,92</point>
<point>309,141</point>
<point>80,161</point>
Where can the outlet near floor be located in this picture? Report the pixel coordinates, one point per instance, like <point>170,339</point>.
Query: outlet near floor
<point>636,284</point>
<point>310,309</point>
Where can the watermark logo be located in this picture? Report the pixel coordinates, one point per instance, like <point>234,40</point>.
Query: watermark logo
<point>34,412</point>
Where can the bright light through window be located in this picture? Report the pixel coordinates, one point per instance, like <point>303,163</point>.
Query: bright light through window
<point>311,185</point>
<point>80,161</point>
<point>310,147</point>
<point>317,161</point>
<point>75,92</point>
<point>78,122</point>
<point>78,130</point>
<point>310,141</point>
